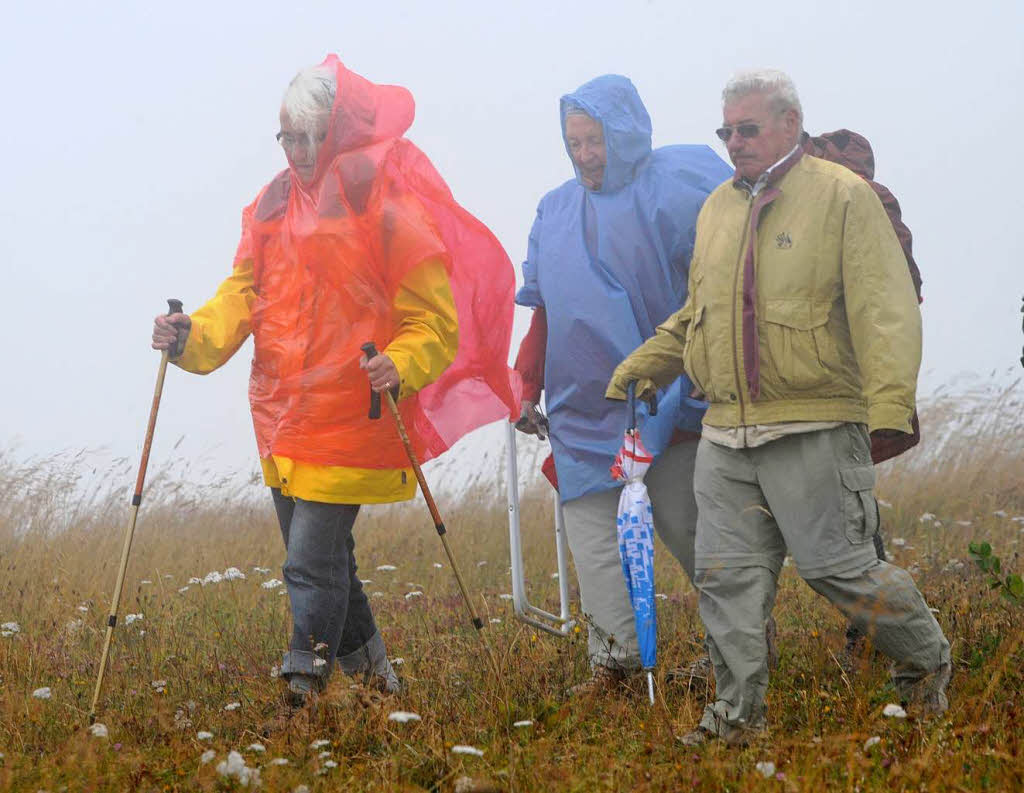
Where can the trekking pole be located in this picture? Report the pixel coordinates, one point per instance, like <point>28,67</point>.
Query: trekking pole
<point>115,601</point>
<point>371,352</point>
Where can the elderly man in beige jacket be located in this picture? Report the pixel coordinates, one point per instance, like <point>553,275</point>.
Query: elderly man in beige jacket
<point>802,329</point>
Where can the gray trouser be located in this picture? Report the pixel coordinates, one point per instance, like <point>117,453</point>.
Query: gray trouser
<point>331,617</point>
<point>813,494</point>
<point>590,529</point>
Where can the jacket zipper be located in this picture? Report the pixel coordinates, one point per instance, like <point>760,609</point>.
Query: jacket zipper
<point>735,286</point>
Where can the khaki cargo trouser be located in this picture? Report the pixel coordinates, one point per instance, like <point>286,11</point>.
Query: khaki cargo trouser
<point>813,494</point>
<point>591,532</point>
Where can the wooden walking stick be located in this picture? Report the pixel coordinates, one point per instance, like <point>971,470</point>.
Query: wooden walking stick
<point>115,601</point>
<point>370,350</point>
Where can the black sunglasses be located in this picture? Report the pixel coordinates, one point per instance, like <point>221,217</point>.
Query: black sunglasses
<point>744,130</point>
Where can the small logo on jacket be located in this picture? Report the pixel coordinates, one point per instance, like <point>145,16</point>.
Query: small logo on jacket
<point>783,240</point>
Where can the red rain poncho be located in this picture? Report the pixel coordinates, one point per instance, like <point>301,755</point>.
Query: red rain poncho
<point>327,260</point>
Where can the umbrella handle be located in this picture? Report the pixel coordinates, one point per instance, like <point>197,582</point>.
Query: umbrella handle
<point>631,405</point>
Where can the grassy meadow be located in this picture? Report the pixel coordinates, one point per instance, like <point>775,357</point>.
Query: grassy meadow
<point>193,677</point>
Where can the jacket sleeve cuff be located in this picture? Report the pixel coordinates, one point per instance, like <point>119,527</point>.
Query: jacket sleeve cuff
<point>890,416</point>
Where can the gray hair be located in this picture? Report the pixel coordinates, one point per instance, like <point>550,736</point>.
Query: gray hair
<point>309,95</point>
<point>776,85</point>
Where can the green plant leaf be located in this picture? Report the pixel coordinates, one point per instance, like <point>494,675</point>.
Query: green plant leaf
<point>1014,585</point>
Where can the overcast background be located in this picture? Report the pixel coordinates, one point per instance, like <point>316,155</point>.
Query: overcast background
<point>134,133</point>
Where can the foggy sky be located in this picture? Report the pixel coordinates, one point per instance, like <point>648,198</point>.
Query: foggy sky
<point>135,133</point>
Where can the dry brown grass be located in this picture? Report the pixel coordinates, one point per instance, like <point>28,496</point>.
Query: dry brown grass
<point>216,644</point>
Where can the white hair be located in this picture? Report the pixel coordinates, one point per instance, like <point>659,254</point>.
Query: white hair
<point>776,85</point>
<point>309,96</point>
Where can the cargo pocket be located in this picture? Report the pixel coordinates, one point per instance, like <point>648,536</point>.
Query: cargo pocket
<point>860,510</point>
<point>695,353</point>
<point>798,343</point>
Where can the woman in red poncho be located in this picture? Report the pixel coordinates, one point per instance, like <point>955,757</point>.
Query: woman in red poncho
<point>358,240</point>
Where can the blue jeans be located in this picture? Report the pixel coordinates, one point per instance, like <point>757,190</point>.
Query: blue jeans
<point>331,616</point>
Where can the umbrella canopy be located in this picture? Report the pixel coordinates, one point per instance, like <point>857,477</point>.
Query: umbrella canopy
<point>636,540</point>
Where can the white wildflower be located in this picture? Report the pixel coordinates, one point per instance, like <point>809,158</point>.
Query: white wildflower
<point>83,609</point>
<point>256,747</point>
<point>182,590</point>
<point>130,618</point>
<point>99,730</point>
<point>462,749</point>
<point>403,716</point>
<point>319,662</point>
<point>142,633</point>
<point>884,504</point>
<point>999,513</point>
<point>323,755</point>
<point>661,596</point>
<point>927,516</point>
<point>301,789</point>
<point>386,568</point>
<point>767,768</point>
<point>414,594</point>
<point>271,583</point>
<point>376,594</point>
<point>874,740</point>
<point>894,712</point>
<point>495,621</point>
<point>898,542</point>
<point>168,576</point>
<point>42,693</point>
<point>10,628</point>
<point>319,743</point>
<point>207,756</point>
<point>523,723</point>
<point>365,581</point>
<point>554,575</point>
<point>397,661</point>
<point>279,761</point>
<point>261,570</point>
<point>964,523</point>
<point>505,596</point>
<point>235,767</point>
<point>213,577</point>
<point>194,580</point>
<point>74,626</point>
<point>234,574</point>
<point>481,563</point>
<point>233,706</point>
<point>159,686</point>
<point>330,764</point>
<point>275,671</point>
<point>144,582</point>
<point>1018,518</point>
<point>438,565</point>
<point>204,735</point>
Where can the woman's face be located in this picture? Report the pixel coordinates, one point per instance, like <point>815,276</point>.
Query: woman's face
<point>585,138</point>
<point>299,148</point>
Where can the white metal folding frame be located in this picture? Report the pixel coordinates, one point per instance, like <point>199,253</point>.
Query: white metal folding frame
<point>556,624</point>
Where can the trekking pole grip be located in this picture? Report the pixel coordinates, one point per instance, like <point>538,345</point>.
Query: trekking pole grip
<point>174,306</point>
<point>370,349</point>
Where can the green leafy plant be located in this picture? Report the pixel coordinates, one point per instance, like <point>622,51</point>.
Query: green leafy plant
<point>1010,586</point>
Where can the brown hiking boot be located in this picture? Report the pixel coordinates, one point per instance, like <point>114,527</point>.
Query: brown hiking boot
<point>603,680</point>
<point>926,698</point>
<point>734,736</point>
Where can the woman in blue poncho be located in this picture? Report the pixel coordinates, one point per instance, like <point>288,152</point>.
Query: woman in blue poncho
<point>607,261</point>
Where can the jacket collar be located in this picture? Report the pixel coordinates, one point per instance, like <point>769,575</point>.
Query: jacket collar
<point>771,175</point>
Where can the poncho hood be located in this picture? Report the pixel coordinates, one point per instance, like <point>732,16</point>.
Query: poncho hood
<point>612,100</point>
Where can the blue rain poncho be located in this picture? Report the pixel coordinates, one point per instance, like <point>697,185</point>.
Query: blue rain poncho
<point>608,266</point>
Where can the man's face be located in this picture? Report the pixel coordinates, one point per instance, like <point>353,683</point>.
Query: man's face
<point>776,136</point>
<point>300,150</point>
<point>585,138</point>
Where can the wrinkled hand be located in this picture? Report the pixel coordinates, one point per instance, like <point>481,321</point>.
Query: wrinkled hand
<point>532,421</point>
<point>170,332</point>
<point>382,372</point>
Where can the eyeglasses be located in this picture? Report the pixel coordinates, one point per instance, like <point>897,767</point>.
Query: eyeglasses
<point>745,131</point>
<point>290,140</point>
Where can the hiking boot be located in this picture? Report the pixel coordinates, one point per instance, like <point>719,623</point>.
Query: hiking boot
<point>852,654</point>
<point>603,680</point>
<point>734,736</point>
<point>926,698</point>
<point>302,689</point>
<point>696,673</point>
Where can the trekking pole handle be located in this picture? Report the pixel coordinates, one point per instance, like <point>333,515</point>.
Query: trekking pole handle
<point>370,350</point>
<point>174,306</point>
